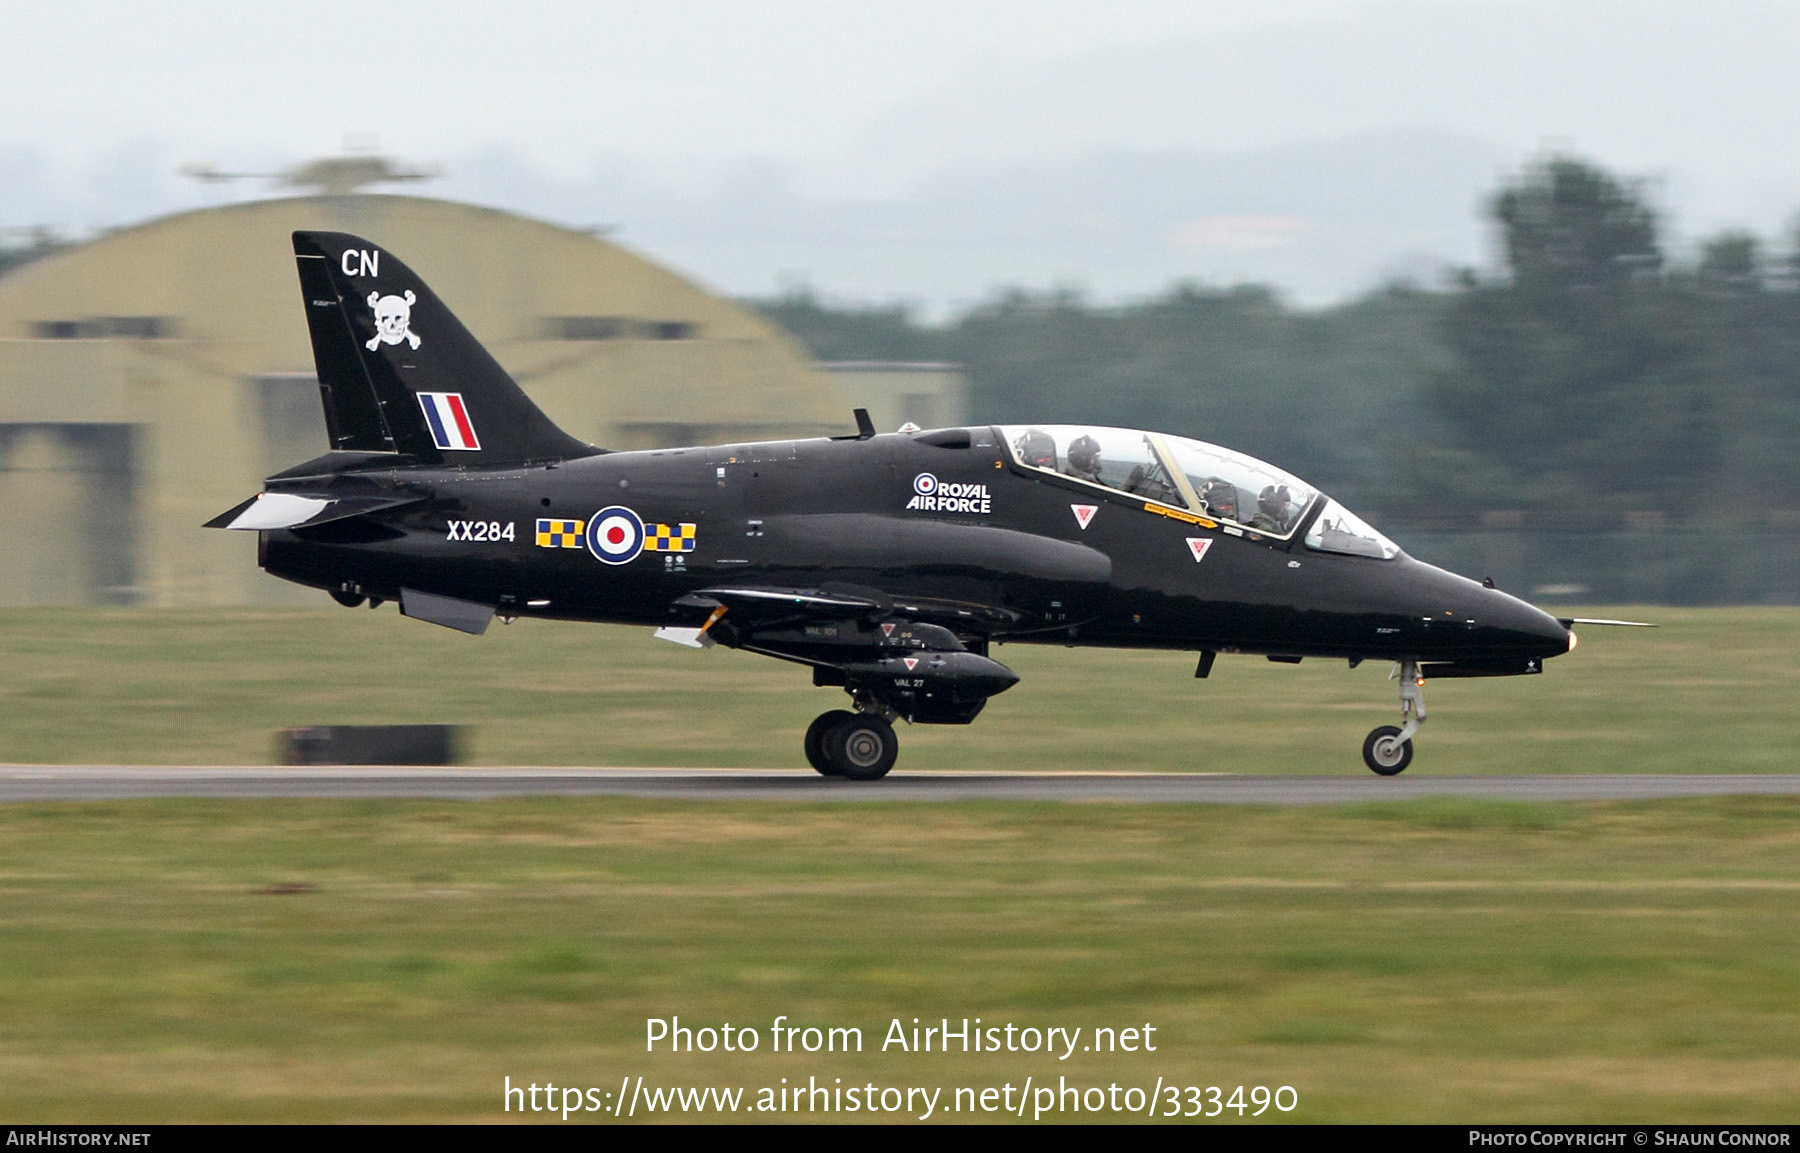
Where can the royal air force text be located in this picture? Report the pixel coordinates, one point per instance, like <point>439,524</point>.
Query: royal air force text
<point>947,497</point>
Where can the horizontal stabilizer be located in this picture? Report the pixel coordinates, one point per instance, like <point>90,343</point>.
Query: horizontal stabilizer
<point>337,462</point>
<point>278,510</point>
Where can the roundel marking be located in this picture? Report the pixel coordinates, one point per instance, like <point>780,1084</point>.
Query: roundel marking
<point>615,535</point>
<point>925,484</point>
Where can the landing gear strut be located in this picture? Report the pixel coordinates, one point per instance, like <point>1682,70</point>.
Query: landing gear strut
<point>1388,750</point>
<point>859,746</point>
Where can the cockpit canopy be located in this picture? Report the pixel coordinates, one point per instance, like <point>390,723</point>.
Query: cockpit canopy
<point>1201,478</point>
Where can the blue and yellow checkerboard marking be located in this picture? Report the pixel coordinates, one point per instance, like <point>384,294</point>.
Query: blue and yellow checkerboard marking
<point>560,533</point>
<point>669,537</point>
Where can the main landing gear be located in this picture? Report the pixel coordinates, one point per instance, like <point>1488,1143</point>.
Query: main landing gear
<point>859,746</point>
<point>1388,750</point>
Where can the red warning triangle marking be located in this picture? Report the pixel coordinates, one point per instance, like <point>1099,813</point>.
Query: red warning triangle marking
<point>1199,544</point>
<point>1084,513</point>
<point>911,663</point>
<point>887,629</point>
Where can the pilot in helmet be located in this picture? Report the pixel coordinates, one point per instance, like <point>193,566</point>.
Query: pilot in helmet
<point>1037,448</point>
<point>1274,505</point>
<point>1219,498</point>
<point>1084,459</point>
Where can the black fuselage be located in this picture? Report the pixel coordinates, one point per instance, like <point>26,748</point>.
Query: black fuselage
<point>988,549</point>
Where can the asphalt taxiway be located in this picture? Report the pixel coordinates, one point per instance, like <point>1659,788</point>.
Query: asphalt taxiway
<point>21,783</point>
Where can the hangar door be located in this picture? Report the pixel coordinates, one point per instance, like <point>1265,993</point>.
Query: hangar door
<point>68,514</point>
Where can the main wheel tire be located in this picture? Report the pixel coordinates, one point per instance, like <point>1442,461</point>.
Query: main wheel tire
<point>815,739</point>
<point>1384,754</point>
<point>862,748</point>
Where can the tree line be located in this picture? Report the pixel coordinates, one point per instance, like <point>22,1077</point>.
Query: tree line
<point>1588,383</point>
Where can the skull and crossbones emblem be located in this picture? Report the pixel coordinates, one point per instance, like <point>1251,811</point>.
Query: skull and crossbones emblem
<point>393,316</point>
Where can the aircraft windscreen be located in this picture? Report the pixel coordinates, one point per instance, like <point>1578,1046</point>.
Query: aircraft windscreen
<point>1337,529</point>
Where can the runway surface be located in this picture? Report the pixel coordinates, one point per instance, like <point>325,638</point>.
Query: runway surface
<point>115,782</point>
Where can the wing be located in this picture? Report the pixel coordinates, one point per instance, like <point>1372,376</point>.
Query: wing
<point>760,606</point>
<point>920,657</point>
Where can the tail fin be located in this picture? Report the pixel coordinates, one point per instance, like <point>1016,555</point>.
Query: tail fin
<point>399,373</point>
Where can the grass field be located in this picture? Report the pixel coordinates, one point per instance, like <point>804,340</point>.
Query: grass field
<point>1432,961</point>
<point>1441,961</point>
<point>1711,690</point>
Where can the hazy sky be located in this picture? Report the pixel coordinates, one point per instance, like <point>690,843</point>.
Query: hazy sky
<point>867,147</point>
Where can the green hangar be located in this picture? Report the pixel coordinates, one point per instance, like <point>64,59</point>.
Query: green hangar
<point>151,378</point>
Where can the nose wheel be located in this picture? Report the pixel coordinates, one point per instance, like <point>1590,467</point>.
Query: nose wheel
<point>1388,750</point>
<point>1386,754</point>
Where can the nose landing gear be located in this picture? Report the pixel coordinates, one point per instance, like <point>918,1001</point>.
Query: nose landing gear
<point>1389,750</point>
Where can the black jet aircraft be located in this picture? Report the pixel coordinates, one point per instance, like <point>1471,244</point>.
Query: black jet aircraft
<point>888,564</point>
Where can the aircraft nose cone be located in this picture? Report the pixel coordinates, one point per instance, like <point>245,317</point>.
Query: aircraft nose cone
<point>1471,621</point>
<point>1521,626</point>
